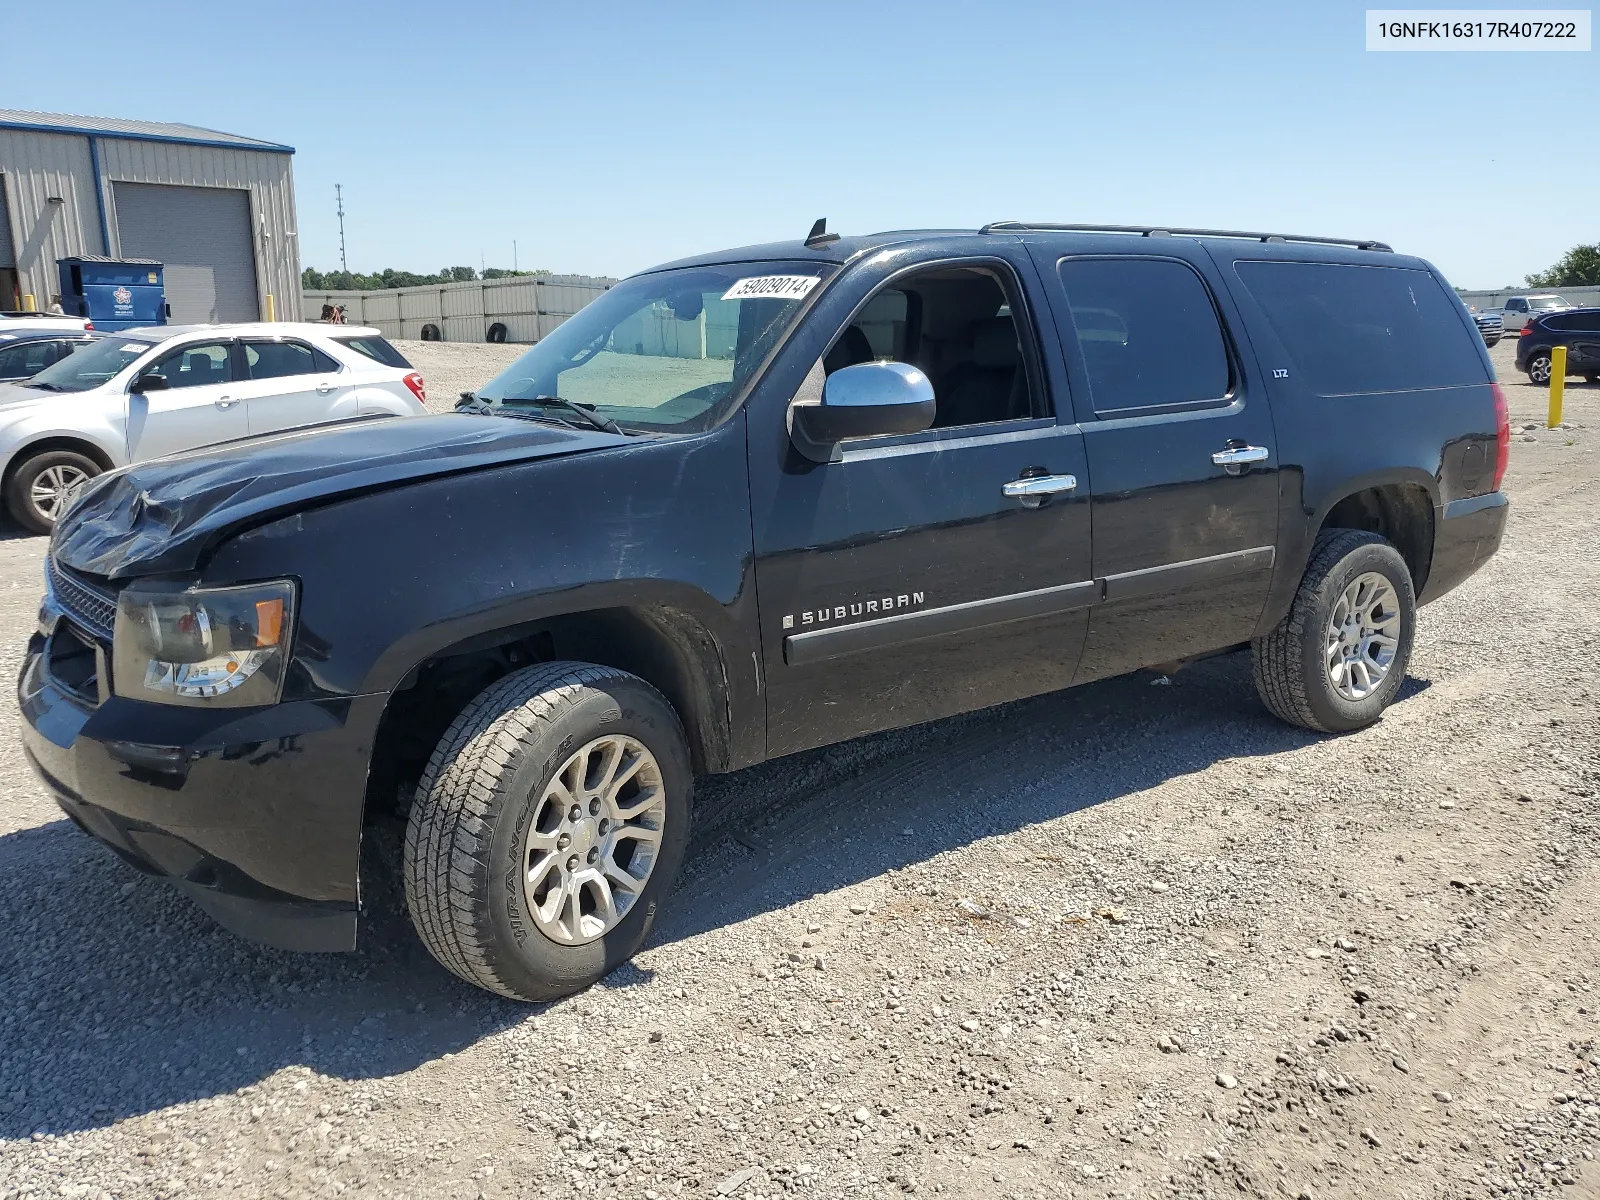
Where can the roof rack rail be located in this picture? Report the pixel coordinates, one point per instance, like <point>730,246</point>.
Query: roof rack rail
<point>1174,231</point>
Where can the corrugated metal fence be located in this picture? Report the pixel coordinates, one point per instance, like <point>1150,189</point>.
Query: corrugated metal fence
<point>1583,297</point>
<point>524,308</point>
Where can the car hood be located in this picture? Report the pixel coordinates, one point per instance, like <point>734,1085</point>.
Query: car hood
<point>162,515</point>
<point>14,395</point>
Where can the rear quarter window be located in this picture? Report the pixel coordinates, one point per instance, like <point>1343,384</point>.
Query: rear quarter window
<point>1351,330</point>
<point>376,348</point>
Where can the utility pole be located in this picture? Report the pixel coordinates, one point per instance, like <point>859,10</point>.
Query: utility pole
<point>338,193</point>
<point>513,256</point>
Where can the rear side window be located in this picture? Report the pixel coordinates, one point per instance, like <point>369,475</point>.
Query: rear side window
<point>1582,322</point>
<point>276,360</point>
<point>1351,330</point>
<point>1148,332</point>
<point>376,348</point>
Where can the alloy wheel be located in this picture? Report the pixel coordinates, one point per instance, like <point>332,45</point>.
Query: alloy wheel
<point>1539,370</point>
<point>1363,636</point>
<point>53,489</point>
<point>594,839</point>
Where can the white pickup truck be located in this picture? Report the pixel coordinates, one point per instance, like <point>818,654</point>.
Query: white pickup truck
<point>1518,309</point>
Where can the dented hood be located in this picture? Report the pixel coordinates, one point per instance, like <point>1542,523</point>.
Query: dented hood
<point>162,515</point>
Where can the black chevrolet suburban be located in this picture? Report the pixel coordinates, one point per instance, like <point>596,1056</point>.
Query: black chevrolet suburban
<point>742,505</point>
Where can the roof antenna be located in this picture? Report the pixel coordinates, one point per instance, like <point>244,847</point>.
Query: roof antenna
<point>819,235</point>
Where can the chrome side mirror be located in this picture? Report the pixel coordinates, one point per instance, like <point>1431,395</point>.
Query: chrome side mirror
<point>866,400</point>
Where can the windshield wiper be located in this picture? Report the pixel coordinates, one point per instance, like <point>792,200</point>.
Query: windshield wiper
<point>45,387</point>
<point>470,403</point>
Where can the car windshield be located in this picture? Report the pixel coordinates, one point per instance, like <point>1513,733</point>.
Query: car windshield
<point>1548,302</point>
<point>90,366</point>
<point>665,352</point>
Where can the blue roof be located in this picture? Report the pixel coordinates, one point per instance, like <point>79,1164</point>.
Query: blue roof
<point>142,131</point>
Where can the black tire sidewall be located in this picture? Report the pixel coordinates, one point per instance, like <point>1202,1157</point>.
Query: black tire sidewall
<point>1332,711</point>
<point>19,487</point>
<point>532,963</point>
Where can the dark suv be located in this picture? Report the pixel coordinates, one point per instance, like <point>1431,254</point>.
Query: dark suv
<point>739,506</point>
<point>1578,329</point>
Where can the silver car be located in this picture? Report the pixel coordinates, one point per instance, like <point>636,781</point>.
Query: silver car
<point>143,393</point>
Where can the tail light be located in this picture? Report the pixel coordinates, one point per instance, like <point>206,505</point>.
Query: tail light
<point>419,389</point>
<point>88,324</point>
<point>1502,434</point>
<point>1525,331</point>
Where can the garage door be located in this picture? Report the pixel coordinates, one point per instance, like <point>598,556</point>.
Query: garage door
<point>202,237</point>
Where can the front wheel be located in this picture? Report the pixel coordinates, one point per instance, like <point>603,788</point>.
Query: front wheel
<point>547,829</point>
<point>40,490</point>
<point>1336,660</point>
<point>1539,370</point>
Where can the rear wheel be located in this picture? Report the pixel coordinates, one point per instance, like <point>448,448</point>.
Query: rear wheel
<point>1539,369</point>
<point>40,490</point>
<point>497,333</point>
<point>1338,657</point>
<point>547,829</point>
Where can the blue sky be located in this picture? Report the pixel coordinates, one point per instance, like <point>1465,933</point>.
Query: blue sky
<point>607,137</point>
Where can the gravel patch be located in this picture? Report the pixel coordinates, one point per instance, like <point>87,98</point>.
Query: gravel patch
<point>1119,941</point>
<point>450,368</point>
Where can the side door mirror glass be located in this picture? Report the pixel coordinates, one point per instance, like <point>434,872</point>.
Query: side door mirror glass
<point>149,382</point>
<point>866,400</point>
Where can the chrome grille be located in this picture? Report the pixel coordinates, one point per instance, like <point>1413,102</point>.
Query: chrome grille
<point>87,605</point>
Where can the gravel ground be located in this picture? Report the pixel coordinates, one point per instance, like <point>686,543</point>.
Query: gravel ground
<point>1129,940</point>
<point>450,368</point>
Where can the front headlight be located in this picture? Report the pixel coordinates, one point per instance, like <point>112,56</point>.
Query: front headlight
<point>209,646</point>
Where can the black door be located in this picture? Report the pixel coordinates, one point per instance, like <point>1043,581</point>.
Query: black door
<point>1581,332</point>
<point>1180,446</point>
<point>900,583</point>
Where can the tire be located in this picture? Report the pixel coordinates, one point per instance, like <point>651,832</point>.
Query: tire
<point>26,489</point>
<point>1290,665</point>
<point>1539,369</point>
<point>1591,378</point>
<point>472,830</point>
<point>430,333</point>
<point>497,333</point>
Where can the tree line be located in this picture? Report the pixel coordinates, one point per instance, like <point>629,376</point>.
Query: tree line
<point>1579,267</point>
<point>313,280</point>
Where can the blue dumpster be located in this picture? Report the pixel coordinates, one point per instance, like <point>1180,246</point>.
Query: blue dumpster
<point>113,293</point>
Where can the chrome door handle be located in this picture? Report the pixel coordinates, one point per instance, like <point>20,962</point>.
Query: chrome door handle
<point>325,388</point>
<point>1040,485</point>
<point>1237,456</point>
<point>224,402</point>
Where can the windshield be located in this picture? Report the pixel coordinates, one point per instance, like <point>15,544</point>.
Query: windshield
<point>90,366</point>
<point>663,353</point>
<point>1542,302</point>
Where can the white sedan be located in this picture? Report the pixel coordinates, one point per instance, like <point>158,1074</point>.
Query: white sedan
<point>143,393</point>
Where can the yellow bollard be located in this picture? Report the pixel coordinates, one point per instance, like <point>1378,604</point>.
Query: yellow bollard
<point>27,303</point>
<point>271,316</point>
<point>1558,384</point>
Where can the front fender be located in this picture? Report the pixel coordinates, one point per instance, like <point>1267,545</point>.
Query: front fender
<point>393,577</point>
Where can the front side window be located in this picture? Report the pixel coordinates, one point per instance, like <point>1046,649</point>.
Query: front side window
<point>955,325</point>
<point>196,366</point>
<point>1148,333</point>
<point>1516,306</point>
<point>1352,330</point>
<point>93,365</point>
<point>665,352</point>
<point>28,358</point>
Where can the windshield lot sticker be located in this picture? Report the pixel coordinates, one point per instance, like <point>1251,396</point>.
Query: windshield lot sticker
<point>132,347</point>
<point>771,287</point>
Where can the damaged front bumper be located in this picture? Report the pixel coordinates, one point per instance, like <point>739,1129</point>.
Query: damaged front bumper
<point>254,813</point>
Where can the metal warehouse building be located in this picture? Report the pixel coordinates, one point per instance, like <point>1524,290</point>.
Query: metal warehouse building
<point>217,210</point>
